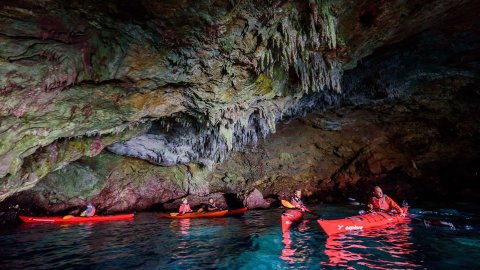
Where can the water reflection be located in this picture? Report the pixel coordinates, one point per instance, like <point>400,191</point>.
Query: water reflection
<point>287,252</point>
<point>389,247</point>
<point>184,226</point>
<point>293,252</point>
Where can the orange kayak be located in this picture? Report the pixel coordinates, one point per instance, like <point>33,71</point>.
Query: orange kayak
<point>214,214</point>
<point>236,212</point>
<point>73,219</point>
<point>360,222</point>
<point>289,217</point>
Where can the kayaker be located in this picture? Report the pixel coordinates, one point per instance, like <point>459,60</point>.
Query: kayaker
<point>184,207</point>
<point>296,201</point>
<point>212,206</point>
<point>89,212</point>
<point>381,202</point>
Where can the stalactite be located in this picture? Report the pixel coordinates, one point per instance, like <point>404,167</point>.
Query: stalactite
<point>297,47</point>
<point>180,140</point>
<point>286,44</point>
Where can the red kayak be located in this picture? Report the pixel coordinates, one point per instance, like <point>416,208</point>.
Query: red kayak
<point>214,214</point>
<point>360,222</point>
<point>236,212</point>
<point>289,217</point>
<point>73,219</point>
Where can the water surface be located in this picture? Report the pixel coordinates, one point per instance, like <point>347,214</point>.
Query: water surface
<point>254,241</point>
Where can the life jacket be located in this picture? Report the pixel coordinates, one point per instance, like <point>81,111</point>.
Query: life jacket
<point>90,212</point>
<point>184,208</point>
<point>381,203</point>
<point>297,203</point>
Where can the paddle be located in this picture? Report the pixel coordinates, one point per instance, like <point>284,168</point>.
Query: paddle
<point>434,222</point>
<point>287,204</point>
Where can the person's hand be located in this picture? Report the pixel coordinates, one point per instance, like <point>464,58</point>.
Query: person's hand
<point>370,207</point>
<point>402,214</point>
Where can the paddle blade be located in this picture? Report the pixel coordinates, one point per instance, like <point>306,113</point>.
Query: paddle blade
<point>67,216</point>
<point>287,204</point>
<point>174,214</point>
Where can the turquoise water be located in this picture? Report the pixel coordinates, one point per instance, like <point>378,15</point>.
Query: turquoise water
<point>254,241</point>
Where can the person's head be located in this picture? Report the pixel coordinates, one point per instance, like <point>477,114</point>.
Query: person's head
<point>184,200</point>
<point>298,193</point>
<point>210,200</point>
<point>89,205</point>
<point>377,192</point>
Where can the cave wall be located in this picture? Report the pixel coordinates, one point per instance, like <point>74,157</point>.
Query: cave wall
<point>198,87</point>
<point>83,69</point>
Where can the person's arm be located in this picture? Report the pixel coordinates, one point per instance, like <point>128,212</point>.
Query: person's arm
<point>394,205</point>
<point>304,208</point>
<point>212,208</point>
<point>370,204</point>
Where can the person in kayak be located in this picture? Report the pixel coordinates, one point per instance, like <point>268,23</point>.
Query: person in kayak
<point>212,206</point>
<point>89,212</point>
<point>296,201</point>
<point>381,202</point>
<point>184,207</point>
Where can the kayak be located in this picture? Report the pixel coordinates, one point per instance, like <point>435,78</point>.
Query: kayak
<point>214,214</point>
<point>360,222</point>
<point>290,217</point>
<point>236,212</point>
<point>73,219</point>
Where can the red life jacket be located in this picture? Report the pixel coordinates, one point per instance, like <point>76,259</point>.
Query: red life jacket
<point>381,203</point>
<point>297,203</point>
<point>184,208</point>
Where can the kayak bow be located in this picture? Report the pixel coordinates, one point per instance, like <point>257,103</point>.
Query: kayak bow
<point>236,212</point>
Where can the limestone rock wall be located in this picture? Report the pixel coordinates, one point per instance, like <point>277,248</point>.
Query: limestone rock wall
<point>187,84</point>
